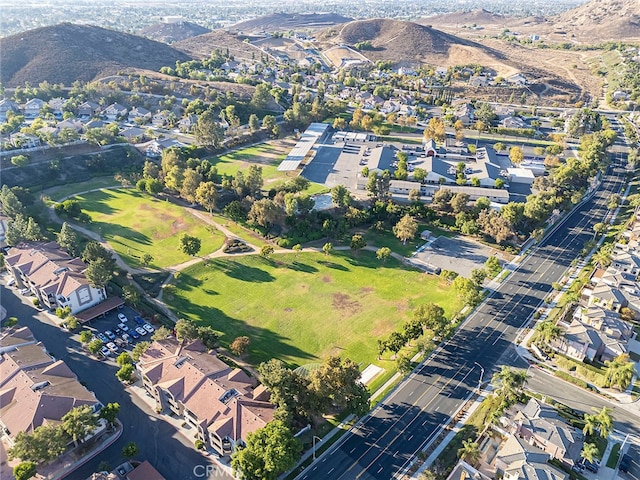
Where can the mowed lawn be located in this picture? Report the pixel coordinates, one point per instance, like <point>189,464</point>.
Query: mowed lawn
<point>266,155</point>
<point>135,223</point>
<point>303,308</point>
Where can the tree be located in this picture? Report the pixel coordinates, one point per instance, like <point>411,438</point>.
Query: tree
<point>508,383</point>
<point>85,336</point>
<point>186,330</point>
<point>297,248</point>
<point>395,342</point>
<point>125,374</point>
<point>431,316</point>
<point>68,239</point>
<point>602,422</point>
<point>130,450</point>
<point>470,451</point>
<point>403,363</point>
<point>110,412</point>
<point>139,350</point>
<point>95,346</point>
<point>546,332</point>
<point>269,124</point>
<point>459,202</point>
<point>79,422</point>
<point>264,213</point>
<point>435,130</point>
<point>99,272</point>
<point>189,245</point>
<point>492,265</point>
<point>94,251</point>
<point>499,147</point>
<point>327,248</point>
<point>516,155</point>
<point>147,259</point>
<point>589,451</point>
<point>340,196</point>
<point>24,471</point>
<point>269,451</point>
<point>161,333</point>
<point>191,180</point>
<point>406,228</point>
<point>124,359</point>
<point>208,131</point>
<point>599,228</point>
<point>207,196</point>
<point>254,122</point>
<point>383,254</point>
<point>240,345</point>
<point>153,186</point>
<point>336,384</point>
<point>620,372</point>
<point>358,242</point>
<point>131,295</point>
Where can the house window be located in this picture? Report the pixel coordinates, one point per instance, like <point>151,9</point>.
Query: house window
<point>84,295</point>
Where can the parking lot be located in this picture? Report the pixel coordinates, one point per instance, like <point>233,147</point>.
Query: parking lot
<point>119,333</point>
<point>459,255</point>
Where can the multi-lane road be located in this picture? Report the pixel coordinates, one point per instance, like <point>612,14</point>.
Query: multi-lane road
<point>383,444</point>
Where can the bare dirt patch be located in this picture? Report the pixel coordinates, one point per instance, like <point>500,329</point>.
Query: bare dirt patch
<point>343,302</point>
<point>326,279</point>
<point>365,290</point>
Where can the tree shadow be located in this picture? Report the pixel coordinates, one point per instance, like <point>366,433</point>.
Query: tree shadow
<point>98,201</point>
<point>242,272</point>
<point>333,265</point>
<point>109,231</point>
<point>302,267</point>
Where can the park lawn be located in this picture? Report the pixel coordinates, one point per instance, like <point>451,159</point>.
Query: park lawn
<point>135,223</point>
<point>268,157</point>
<point>237,229</point>
<point>62,191</point>
<point>303,308</point>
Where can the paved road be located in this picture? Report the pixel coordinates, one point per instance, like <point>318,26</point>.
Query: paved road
<point>157,440</point>
<point>383,443</point>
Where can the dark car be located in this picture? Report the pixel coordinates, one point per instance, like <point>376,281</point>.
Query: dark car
<point>625,463</point>
<point>592,467</point>
<point>139,320</point>
<point>135,335</point>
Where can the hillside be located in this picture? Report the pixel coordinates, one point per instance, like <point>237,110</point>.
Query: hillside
<point>290,21</point>
<point>616,20</point>
<point>65,53</point>
<point>400,42</point>
<point>203,45</point>
<point>480,18</point>
<point>172,32</point>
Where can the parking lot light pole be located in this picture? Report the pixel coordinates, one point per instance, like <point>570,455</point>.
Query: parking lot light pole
<point>314,446</point>
<point>481,375</point>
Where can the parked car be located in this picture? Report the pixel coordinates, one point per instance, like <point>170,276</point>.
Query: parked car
<point>127,338</point>
<point>591,466</point>
<point>135,335</point>
<point>139,320</point>
<point>625,463</point>
<point>25,291</point>
<point>112,346</point>
<point>11,282</point>
<point>105,352</point>
<point>103,338</point>
<point>117,332</point>
<point>141,331</point>
<point>123,327</point>
<point>110,335</point>
<point>148,328</point>
<point>122,317</point>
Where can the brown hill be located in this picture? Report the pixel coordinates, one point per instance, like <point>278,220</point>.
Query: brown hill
<point>480,17</point>
<point>402,42</point>
<point>290,21</point>
<point>173,32</point>
<point>203,45</point>
<point>65,53</point>
<point>617,20</point>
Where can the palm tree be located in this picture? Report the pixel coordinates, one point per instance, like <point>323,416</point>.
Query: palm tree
<point>620,372</point>
<point>547,331</point>
<point>509,383</point>
<point>470,451</point>
<point>590,424</point>
<point>605,422</point>
<point>589,451</point>
<point>602,258</point>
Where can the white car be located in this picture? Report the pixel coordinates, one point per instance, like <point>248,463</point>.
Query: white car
<point>105,352</point>
<point>112,346</point>
<point>141,331</point>
<point>123,327</point>
<point>148,328</point>
<point>122,317</point>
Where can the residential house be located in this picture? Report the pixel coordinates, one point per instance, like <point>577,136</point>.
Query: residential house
<point>3,230</point>
<point>145,471</point>
<point>57,106</point>
<point>513,122</point>
<point>7,106</point>
<point>71,124</point>
<point>187,123</point>
<point>465,113</point>
<point>541,426</point>
<point>133,134</point>
<point>517,79</point>
<point>221,403</point>
<point>115,111</point>
<point>24,140</point>
<point>139,112</point>
<point>464,471</point>
<point>55,278</point>
<point>626,262</point>
<point>32,108</point>
<point>479,81</point>
<point>88,109</point>
<point>156,147</point>
<point>518,460</point>
<point>407,71</point>
<point>160,119</point>
<point>35,389</point>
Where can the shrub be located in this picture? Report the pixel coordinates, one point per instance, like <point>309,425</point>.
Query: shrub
<point>199,444</point>
<point>20,160</point>
<point>36,302</point>
<point>63,312</point>
<point>570,378</point>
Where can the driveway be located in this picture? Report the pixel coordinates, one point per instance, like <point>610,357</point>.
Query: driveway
<point>158,441</point>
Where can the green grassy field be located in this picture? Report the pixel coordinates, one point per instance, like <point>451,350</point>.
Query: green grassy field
<point>268,157</point>
<point>58,193</point>
<point>135,223</point>
<point>303,308</point>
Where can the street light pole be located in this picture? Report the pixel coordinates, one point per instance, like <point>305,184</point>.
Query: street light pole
<point>481,374</point>
<point>314,445</point>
